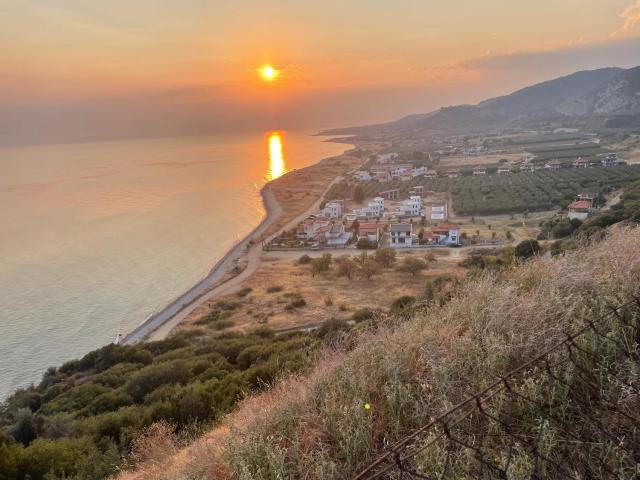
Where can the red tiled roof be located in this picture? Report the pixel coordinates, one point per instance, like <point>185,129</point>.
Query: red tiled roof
<point>581,205</point>
<point>368,227</point>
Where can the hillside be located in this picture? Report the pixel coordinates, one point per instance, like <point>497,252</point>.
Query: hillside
<point>605,91</point>
<point>373,389</point>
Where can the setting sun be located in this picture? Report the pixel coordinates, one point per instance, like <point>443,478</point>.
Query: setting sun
<point>269,73</point>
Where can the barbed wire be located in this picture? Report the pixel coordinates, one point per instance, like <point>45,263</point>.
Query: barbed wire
<point>573,411</point>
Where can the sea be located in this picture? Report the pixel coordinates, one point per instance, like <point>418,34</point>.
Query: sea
<point>96,237</point>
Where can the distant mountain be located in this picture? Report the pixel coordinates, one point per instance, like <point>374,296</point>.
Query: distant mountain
<point>613,91</point>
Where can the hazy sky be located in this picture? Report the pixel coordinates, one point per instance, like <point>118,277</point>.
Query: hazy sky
<point>83,69</point>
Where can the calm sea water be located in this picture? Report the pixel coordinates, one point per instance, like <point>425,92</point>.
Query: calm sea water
<point>96,237</point>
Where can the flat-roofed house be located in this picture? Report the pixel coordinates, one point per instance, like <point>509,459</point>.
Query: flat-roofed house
<point>390,194</point>
<point>553,165</point>
<point>504,170</point>
<point>430,174</point>
<point>453,173</point>
<point>479,171</point>
<point>611,160</point>
<point>400,235</point>
<point>333,209</point>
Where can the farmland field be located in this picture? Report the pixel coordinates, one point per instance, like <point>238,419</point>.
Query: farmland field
<point>565,151</point>
<point>515,193</point>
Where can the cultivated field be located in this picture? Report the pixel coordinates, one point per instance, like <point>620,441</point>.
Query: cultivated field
<point>515,193</point>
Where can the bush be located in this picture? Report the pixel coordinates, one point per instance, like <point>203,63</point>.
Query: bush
<point>274,289</point>
<point>402,303</point>
<point>365,244</point>
<point>362,314</point>
<point>244,291</point>
<point>527,248</point>
<point>385,257</point>
<point>304,260</point>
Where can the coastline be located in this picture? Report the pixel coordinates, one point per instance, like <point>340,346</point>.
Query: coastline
<point>191,297</point>
<point>160,324</point>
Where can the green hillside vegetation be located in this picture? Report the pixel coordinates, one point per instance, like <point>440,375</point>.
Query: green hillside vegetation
<point>570,232</point>
<point>378,387</point>
<point>515,193</point>
<point>80,421</point>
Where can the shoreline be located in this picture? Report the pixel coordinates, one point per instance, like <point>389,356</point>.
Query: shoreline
<point>165,316</point>
<point>160,324</point>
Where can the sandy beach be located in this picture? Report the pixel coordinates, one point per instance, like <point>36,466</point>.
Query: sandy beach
<point>247,251</point>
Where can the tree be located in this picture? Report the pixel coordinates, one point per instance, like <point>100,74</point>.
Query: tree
<point>347,267</point>
<point>358,194</point>
<point>369,268</point>
<point>527,248</point>
<point>320,264</point>
<point>355,226</point>
<point>385,257</point>
<point>413,265</point>
<point>365,244</point>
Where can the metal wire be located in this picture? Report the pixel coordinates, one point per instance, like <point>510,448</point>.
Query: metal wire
<point>581,420</point>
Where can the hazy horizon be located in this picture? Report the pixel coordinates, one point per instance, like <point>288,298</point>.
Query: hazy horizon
<point>79,71</point>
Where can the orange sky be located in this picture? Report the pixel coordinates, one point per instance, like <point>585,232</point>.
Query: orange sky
<point>341,61</point>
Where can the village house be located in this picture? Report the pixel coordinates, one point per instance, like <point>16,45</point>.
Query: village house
<point>417,190</point>
<point>479,171</point>
<point>390,194</point>
<point>580,209</point>
<point>334,235</point>
<point>387,157</point>
<point>418,171</point>
<point>412,207</point>
<point>374,209</point>
<point>333,209</point>
<point>504,170</point>
<point>611,160</point>
<point>580,163</point>
<point>553,165</point>
<point>400,235</point>
<point>362,176</point>
<point>310,227</point>
<point>400,171</point>
<point>446,234</point>
<point>453,173</point>
<point>381,175</point>
<point>430,174</point>
<point>370,231</point>
<point>528,167</point>
<point>436,211</point>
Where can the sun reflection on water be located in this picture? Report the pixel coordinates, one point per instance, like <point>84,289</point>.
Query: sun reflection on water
<point>277,167</point>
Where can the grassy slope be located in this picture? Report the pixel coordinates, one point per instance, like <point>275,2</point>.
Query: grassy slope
<point>315,426</point>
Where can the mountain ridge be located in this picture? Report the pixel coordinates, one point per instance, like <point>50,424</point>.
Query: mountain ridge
<point>605,91</point>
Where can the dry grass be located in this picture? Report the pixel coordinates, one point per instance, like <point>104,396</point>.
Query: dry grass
<point>315,427</point>
<point>261,308</point>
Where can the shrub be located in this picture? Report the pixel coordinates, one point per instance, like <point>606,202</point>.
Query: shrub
<point>244,291</point>
<point>274,289</point>
<point>304,260</point>
<point>385,257</point>
<point>527,248</point>
<point>362,314</point>
<point>402,303</point>
<point>364,243</point>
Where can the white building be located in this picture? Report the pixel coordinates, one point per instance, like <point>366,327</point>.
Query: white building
<point>438,212</point>
<point>479,171</point>
<point>447,234</point>
<point>611,160</point>
<point>504,170</point>
<point>400,235</point>
<point>387,157</point>
<point>400,171</point>
<point>580,209</point>
<point>418,171</point>
<point>333,209</point>
<point>411,207</point>
<point>362,176</point>
<point>430,174</point>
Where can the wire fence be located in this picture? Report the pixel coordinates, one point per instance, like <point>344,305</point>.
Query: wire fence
<point>571,412</point>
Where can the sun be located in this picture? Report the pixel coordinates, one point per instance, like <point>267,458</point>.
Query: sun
<point>269,73</point>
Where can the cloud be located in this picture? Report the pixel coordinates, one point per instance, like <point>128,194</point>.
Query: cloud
<point>631,17</point>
